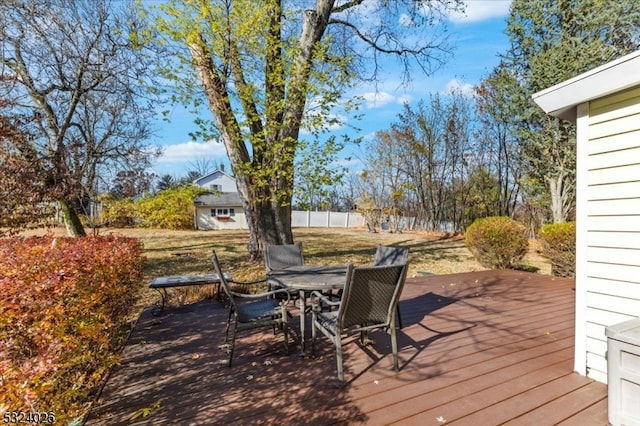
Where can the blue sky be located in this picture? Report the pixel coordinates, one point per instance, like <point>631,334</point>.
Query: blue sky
<point>478,37</point>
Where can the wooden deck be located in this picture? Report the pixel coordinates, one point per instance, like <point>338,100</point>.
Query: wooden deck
<point>482,348</point>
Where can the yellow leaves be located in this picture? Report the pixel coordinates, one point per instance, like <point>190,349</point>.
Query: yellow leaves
<point>145,411</point>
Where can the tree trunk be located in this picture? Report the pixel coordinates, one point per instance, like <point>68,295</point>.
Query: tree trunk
<point>71,219</point>
<point>269,222</point>
<point>558,198</point>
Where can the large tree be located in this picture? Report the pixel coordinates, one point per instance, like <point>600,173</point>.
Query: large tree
<point>552,41</point>
<point>69,65</point>
<point>271,68</point>
<point>498,111</point>
<point>432,151</point>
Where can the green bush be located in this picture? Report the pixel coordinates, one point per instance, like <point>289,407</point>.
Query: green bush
<point>497,242</point>
<point>64,307</point>
<point>559,246</point>
<point>118,213</point>
<point>169,209</point>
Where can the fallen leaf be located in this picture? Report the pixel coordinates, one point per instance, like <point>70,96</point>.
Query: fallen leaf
<point>440,419</point>
<point>195,356</point>
<point>145,411</point>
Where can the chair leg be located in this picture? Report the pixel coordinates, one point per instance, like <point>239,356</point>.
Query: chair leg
<point>226,332</point>
<point>394,348</point>
<point>231,347</point>
<point>285,331</point>
<point>338,343</point>
<point>398,315</point>
<point>285,328</point>
<point>313,332</point>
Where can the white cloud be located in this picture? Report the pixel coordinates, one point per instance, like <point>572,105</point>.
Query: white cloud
<point>480,10</point>
<point>191,151</point>
<point>378,99</point>
<point>458,86</point>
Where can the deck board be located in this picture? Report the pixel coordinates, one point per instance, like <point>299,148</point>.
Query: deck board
<point>491,347</point>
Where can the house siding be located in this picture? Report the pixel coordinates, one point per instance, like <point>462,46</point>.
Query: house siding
<point>217,180</point>
<point>612,281</point>
<point>205,221</point>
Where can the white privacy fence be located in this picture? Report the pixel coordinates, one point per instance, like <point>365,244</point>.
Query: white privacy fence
<point>325,219</point>
<point>309,219</point>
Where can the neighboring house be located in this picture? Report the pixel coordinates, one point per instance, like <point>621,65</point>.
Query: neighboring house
<point>217,180</point>
<point>222,208</point>
<point>605,105</point>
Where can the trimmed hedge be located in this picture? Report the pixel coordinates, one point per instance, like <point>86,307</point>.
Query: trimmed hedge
<point>559,246</point>
<point>64,304</point>
<point>497,242</point>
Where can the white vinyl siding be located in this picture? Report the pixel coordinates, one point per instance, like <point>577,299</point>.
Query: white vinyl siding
<point>218,181</point>
<point>612,281</point>
<point>207,218</point>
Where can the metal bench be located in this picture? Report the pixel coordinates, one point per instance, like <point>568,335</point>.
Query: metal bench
<point>161,284</point>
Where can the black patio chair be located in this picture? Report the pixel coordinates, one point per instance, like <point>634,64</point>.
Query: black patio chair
<point>260,309</point>
<point>388,255</point>
<point>369,301</point>
<point>282,256</point>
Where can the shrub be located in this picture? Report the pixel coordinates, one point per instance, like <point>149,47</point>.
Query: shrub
<point>497,242</point>
<point>169,209</point>
<point>118,213</point>
<point>559,246</point>
<point>64,303</point>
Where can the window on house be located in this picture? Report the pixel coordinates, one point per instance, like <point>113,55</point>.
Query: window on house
<point>223,212</point>
<point>216,187</point>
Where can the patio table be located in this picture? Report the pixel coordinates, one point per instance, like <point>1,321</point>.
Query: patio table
<point>308,278</point>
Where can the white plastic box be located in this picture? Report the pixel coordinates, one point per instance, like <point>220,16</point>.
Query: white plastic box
<point>623,372</point>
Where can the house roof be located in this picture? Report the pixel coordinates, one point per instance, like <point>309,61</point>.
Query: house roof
<point>223,199</point>
<point>561,100</point>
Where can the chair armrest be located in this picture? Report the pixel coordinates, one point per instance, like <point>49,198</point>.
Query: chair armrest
<point>262,280</point>
<point>318,299</point>
<point>261,295</point>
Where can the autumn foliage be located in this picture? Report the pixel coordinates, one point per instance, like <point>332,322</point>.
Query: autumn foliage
<point>64,304</point>
<point>25,189</point>
<point>171,208</point>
